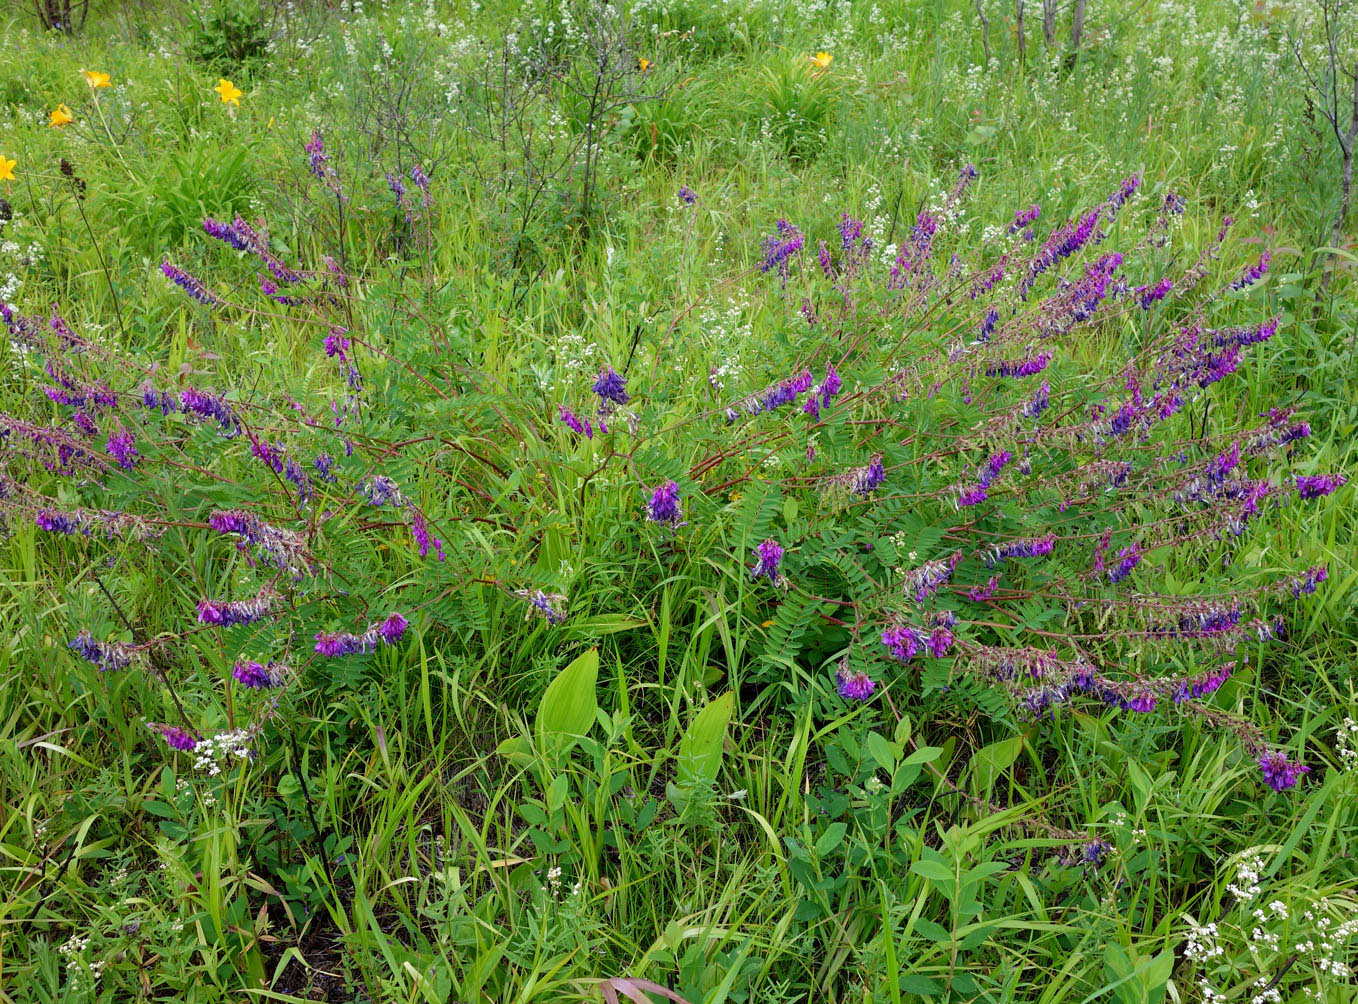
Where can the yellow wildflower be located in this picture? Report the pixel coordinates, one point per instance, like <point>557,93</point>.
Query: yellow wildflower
<point>94,78</point>
<point>6,168</point>
<point>59,117</point>
<point>821,60</point>
<point>645,64</point>
<point>230,93</point>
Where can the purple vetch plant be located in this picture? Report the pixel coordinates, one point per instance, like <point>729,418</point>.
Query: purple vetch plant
<point>968,492</point>
<point>388,631</point>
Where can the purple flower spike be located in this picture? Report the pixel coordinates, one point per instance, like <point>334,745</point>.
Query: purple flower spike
<point>107,655</point>
<point>419,529</point>
<point>664,506</point>
<point>549,606</point>
<point>121,446</point>
<point>610,386</point>
<point>768,557</point>
<point>1279,773</point>
<point>779,249</point>
<point>177,739</point>
<point>574,423</point>
<point>855,686</point>
<point>1253,273</point>
<point>253,675</point>
<point>902,642</point>
<point>393,628</point>
<point>1318,485</point>
<point>940,640</point>
<point>1126,560</point>
<point>56,521</point>
<point>189,284</point>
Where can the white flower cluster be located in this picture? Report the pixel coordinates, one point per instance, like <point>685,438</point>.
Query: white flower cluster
<point>1346,741</point>
<point>1246,884</point>
<point>1201,945</point>
<point>210,753</point>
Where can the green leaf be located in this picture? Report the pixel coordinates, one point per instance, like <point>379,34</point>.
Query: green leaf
<point>567,709</point>
<point>936,933</point>
<point>881,751</point>
<point>700,748</point>
<point>700,751</point>
<point>934,871</point>
<point>830,839</point>
<point>989,762</point>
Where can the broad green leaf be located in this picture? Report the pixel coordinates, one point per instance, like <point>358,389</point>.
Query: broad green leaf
<point>567,709</point>
<point>989,762</point>
<point>700,748</point>
<point>881,751</point>
<point>934,871</point>
<point>830,839</point>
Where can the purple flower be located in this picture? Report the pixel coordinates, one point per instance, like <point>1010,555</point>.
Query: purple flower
<point>550,606</point>
<point>1201,686</point>
<point>1024,217</point>
<point>392,628</point>
<point>1253,273</point>
<point>904,643</point>
<point>664,506</point>
<point>194,402</point>
<point>419,529</point>
<point>855,686</point>
<point>229,613</point>
<point>1020,367</point>
<point>56,521</point>
<point>1308,582</point>
<point>1318,485</point>
<point>687,195</point>
<point>1030,547</point>
<point>336,344</point>
<point>189,284</point>
<point>1094,852</point>
<point>107,655</point>
<point>177,739</point>
<point>768,557</point>
<point>572,422</point>
<point>281,548</point>
<point>252,674</point>
<point>315,149</point>
<point>926,580</point>
<point>1279,773</point>
<point>610,386</point>
<point>865,479</point>
<point>1146,295</point>
<point>380,490</point>
<point>387,632</point>
<point>121,447</point>
<point>940,640</point>
<point>979,594</point>
<point>223,232</point>
<point>1126,560</point>
<point>779,249</point>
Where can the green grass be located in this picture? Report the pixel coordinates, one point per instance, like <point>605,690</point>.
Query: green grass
<point>429,824</point>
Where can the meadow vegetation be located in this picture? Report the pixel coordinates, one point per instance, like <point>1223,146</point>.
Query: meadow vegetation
<point>723,501</point>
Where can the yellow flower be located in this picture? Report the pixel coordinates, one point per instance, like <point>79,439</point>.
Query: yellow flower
<point>6,168</point>
<point>94,78</point>
<point>645,64</point>
<point>230,92</point>
<point>821,60</point>
<point>59,117</point>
